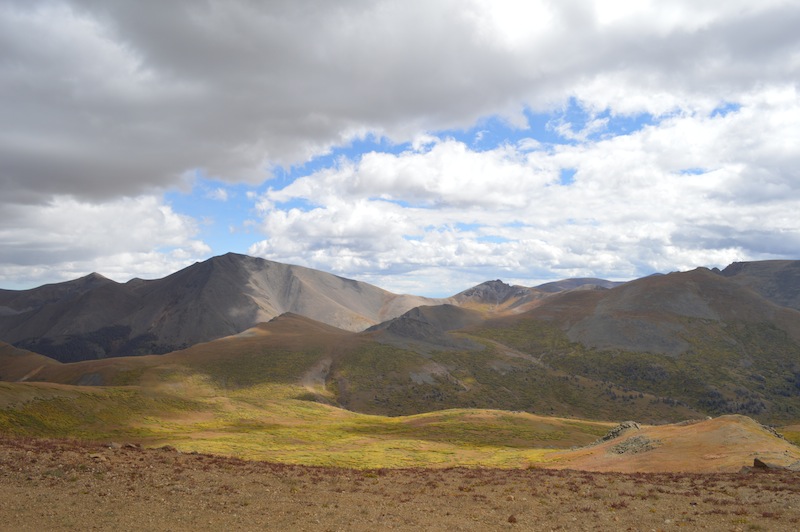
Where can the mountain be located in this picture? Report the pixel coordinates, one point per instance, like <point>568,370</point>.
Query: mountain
<point>580,282</point>
<point>497,374</point>
<point>776,280</point>
<point>702,339</point>
<point>428,326</point>
<point>379,371</point>
<point>495,294</point>
<point>661,347</point>
<point>655,314</point>
<point>94,317</point>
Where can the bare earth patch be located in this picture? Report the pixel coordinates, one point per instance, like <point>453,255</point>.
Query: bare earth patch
<point>64,485</point>
<point>723,444</point>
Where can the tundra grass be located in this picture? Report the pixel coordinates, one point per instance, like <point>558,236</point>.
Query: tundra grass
<point>744,368</point>
<point>294,431</point>
<point>89,413</point>
<point>791,433</point>
<point>249,368</point>
<point>378,380</point>
<point>347,439</point>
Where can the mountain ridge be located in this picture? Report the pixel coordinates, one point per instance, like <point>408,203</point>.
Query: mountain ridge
<point>657,348</point>
<point>94,317</point>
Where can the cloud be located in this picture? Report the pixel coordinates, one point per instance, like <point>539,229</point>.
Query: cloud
<point>102,99</point>
<point>218,194</point>
<point>122,239</point>
<point>108,103</point>
<point>444,174</point>
<point>688,190</point>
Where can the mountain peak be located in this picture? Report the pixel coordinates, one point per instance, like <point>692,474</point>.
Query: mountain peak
<point>576,283</point>
<point>218,297</point>
<point>492,292</point>
<point>87,282</point>
<point>776,280</point>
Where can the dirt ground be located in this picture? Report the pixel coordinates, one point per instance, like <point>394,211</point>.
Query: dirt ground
<point>62,485</point>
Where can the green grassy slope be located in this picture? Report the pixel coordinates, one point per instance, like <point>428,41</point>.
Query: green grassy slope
<point>279,428</point>
<point>298,391</point>
<point>737,367</point>
<point>384,379</point>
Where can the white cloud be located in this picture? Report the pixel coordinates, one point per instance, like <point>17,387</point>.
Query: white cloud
<point>690,190</point>
<point>68,238</point>
<point>219,194</point>
<point>444,174</point>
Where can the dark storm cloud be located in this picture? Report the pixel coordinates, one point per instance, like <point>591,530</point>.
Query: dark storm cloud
<point>117,97</point>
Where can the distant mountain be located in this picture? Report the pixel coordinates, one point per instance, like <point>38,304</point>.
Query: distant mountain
<point>661,347</point>
<point>776,280</point>
<point>656,313</point>
<point>704,339</point>
<point>94,317</point>
<point>497,296</point>
<point>572,284</point>
<point>428,325</point>
<point>371,372</point>
<point>664,347</point>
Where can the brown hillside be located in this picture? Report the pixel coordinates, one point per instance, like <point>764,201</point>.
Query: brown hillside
<point>650,314</point>
<point>723,444</point>
<point>94,317</point>
<point>776,280</point>
<point>286,333</point>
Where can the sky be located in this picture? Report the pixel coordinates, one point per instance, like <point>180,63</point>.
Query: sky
<point>421,146</point>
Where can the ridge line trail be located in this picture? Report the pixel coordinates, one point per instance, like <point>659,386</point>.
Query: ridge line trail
<point>31,374</point>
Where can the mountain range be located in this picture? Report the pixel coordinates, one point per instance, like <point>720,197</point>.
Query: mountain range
<point>663,347</point>
<point>95,317</point>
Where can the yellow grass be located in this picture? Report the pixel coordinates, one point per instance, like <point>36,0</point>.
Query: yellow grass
<point>266,423</point>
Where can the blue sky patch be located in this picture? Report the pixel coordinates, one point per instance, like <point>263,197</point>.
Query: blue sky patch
<point>725,109</point>
<point>493,239</point>
<point>221,210</point>
<point>692,171</point>
<point>567,176</point>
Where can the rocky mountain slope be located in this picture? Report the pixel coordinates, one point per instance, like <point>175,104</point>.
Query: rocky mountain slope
<point>94,317</point>
<point>664,347</point>
<point>699,338</point>
<point>776,280</point>
<point>657,313</point>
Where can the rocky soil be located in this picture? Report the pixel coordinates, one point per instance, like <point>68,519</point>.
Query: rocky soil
<point>65,485</point>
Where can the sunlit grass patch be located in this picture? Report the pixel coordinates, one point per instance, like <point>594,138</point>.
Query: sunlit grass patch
<point>93,413</point>
<point>299,432</point>
<point>254,424</point>
<point>792,434</point>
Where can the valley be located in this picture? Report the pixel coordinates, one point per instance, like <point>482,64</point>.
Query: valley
<point>496,376</point>
<point>619,404</point>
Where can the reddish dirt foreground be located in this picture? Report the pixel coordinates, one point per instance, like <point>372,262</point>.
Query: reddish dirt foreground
<point>61,485</point>
<point>721,445</point>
